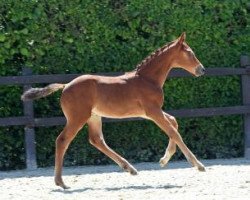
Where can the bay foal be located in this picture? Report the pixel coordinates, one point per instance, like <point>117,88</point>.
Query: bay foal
<point>135,94</point>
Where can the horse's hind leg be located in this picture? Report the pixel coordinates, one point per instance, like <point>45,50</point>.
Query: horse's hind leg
<point>62,142</point>
<point>171,149</point>
<point>96,139</point>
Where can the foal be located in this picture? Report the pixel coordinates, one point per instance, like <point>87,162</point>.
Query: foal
<point>88,98</point>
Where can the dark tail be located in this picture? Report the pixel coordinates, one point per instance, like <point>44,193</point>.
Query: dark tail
<point>37,93</point>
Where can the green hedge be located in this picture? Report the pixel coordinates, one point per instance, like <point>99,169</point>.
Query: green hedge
<point>114,35</point>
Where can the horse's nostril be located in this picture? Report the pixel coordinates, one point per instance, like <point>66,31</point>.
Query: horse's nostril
<point>200,70</point>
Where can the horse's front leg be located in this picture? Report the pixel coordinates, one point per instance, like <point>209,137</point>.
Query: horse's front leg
<point>157,115</point>
<point>171,149</point>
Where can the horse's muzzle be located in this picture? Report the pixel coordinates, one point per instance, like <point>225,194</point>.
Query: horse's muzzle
<point>200,70</point>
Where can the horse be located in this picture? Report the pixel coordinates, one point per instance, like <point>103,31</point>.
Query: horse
<point>138,93</point>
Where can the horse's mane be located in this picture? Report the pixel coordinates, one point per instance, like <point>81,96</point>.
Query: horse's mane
<point>152,56</point>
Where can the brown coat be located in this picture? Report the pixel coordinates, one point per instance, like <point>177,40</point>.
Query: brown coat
<point>135,94</point>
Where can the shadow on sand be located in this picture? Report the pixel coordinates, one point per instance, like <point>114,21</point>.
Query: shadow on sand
<point>133,187</point>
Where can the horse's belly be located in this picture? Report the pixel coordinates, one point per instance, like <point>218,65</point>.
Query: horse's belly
<point>118,112</point>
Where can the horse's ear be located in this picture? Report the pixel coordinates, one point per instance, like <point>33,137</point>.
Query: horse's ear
<point>182,38</point>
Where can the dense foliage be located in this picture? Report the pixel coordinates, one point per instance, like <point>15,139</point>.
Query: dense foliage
<point>79,36</point>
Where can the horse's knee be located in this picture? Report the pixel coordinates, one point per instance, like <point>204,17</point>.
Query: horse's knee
<point>95,141</point>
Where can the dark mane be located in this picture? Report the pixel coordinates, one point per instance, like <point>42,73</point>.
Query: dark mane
<point>152,56</point>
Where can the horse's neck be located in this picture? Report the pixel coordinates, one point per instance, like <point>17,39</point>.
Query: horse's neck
<point>157,69</point>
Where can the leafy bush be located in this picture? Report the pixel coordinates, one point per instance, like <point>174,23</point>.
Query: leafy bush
<point>103,36</point>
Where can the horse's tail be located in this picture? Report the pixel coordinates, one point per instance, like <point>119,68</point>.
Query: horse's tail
<point>37,93</point>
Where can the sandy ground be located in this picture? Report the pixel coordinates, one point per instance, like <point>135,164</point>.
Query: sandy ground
<point>223,179</point>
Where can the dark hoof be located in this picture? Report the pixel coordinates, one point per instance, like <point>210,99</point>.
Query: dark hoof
<point>201,168</point>
<point>62,185</point>
<point>130,169</point>
<point>133,172</point>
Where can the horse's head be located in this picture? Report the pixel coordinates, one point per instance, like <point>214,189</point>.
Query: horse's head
<point>185,58</point>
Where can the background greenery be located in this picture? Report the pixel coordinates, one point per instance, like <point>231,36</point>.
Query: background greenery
<point>83,36</point>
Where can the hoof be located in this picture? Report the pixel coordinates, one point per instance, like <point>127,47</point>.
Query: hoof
<point>62,185</point>
<point>162,162</point>
<point>201,168</point>
<point>133,172</point>
<point>130,169</point>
